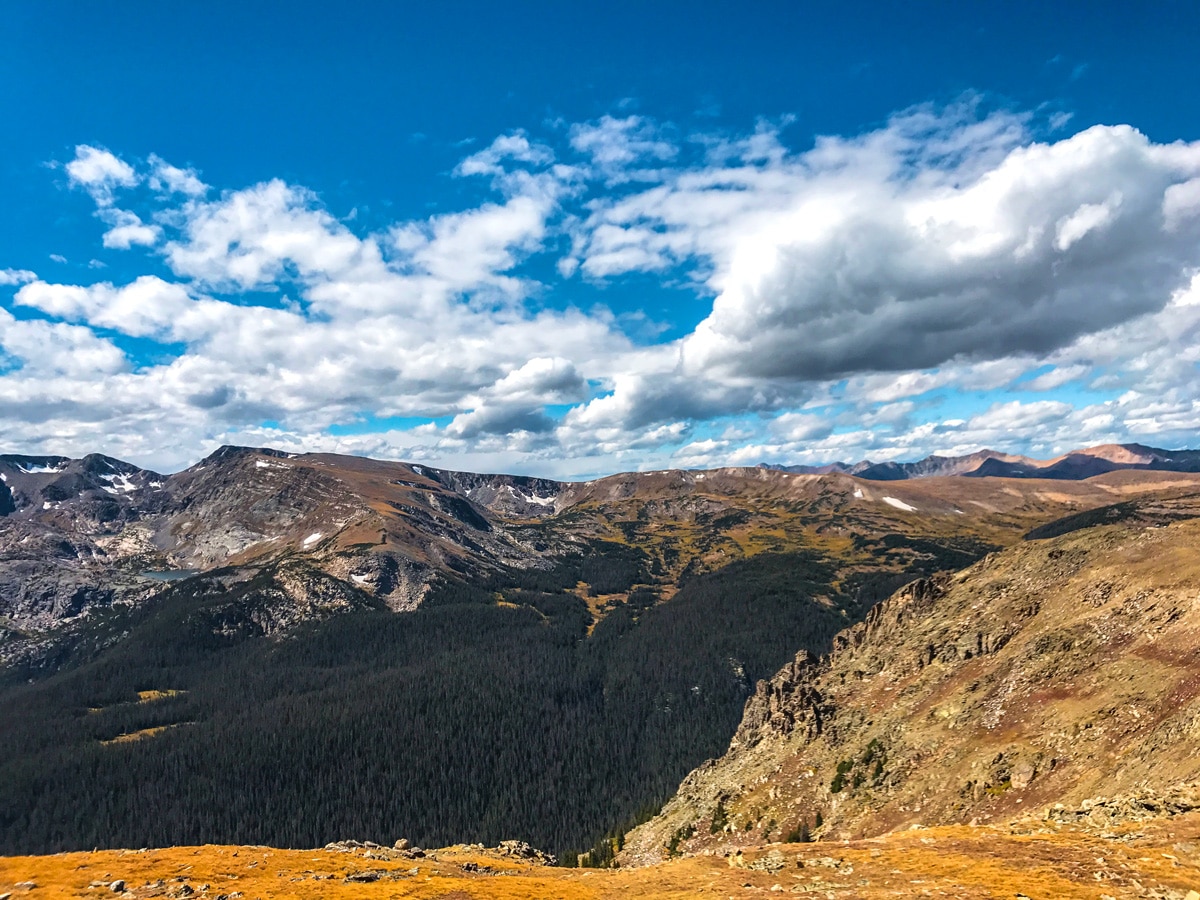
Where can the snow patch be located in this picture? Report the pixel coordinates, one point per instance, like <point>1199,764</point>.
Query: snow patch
<point>263,464</point>
<point>121,484</point>
<point>531,498</point>
<point>3,477</point>
<point>418,470</point>
<point>31,469</point>
<point>360,579</point>
<point>858,493</point>
<point>47,505</point>
<point>312,539</point>
<point>899,504</point>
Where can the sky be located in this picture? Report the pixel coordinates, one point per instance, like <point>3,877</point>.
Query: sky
<point>577,239</point>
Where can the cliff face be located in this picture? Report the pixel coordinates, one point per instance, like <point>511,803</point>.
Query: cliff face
<point>1056,679</point>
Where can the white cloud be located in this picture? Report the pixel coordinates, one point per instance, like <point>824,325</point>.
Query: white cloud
<point>845,293</point>
<point>252,237</point>
<point>100,173</point>
<point>127,230</point>
<point>167,179</point>
<point>148,307</point>
<point>1181,202</point>
<point>515,402</point>
<point>514,147</point>
<point>932,241</point>
<point>431,326</point>
<point>1089,217</point>
<point>1056,377</point>
<point>799,427</point>
<point>464,250</point>
<point>615,145</point>
<point>16,276</point>
<point>47,349</point>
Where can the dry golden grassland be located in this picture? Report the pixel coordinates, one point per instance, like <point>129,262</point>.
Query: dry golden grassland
<point>1157,859</point>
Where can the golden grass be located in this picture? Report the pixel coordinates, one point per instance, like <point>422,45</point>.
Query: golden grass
<point>142,734</point>
<point>151,696</point>
<point>957,861</point>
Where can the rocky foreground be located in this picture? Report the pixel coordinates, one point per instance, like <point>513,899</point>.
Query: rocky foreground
<point>1159,858</point>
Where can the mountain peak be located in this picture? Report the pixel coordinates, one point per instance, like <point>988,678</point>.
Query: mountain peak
<point>234,451</point>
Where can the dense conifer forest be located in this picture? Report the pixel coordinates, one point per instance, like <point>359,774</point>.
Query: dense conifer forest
<point>498,710</point>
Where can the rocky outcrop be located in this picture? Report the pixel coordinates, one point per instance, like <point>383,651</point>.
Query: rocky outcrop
<point>402,849</point>
<point>1106,812</point>
<point>787,704</point>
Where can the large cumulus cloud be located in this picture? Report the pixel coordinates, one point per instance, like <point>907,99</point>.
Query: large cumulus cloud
<point>1056,241</point>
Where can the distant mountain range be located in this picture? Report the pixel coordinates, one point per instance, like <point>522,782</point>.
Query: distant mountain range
<point>1073,466</point>
<point>82,534</point>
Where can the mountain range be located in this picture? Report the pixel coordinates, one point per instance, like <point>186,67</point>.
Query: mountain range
<point>290,649</point>
<point>78,534</point>
<point>86,533</point>
<point>1072,466</point>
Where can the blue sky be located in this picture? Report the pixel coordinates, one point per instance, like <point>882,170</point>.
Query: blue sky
<point>574,239</point>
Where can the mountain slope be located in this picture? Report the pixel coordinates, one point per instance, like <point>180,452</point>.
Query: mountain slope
<point>80,534</point>
<point>463,718</point>
<point>1049,673</point>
